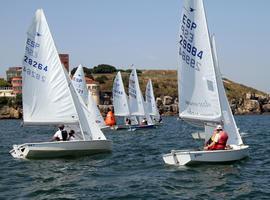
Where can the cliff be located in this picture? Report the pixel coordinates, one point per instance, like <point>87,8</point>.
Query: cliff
<point>10,112</point>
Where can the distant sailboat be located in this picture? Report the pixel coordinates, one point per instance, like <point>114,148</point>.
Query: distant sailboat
<point>137,104</point>
<point>50,98</point>
<point>201,92</point>
<point>120,103</point>
<point>151,102</point>
<point>78,81</point>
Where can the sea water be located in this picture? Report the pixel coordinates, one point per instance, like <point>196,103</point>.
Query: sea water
<point>135,169</point>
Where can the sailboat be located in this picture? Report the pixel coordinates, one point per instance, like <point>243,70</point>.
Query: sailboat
<point>78,81</point>
<point>202,95</point>
<point>49,98</point>
<point>137,104</point>
<point>120,102</point>
<point>151,103</point>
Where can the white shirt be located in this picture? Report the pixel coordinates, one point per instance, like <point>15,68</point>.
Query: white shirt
<point>58,134</point>
<point>71,138</point>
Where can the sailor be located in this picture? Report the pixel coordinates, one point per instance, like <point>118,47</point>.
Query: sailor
<point>218,140</point>
<point>128,121</point>
<point>71,135</point>
<point>144,121</point>
<point>61,134</point>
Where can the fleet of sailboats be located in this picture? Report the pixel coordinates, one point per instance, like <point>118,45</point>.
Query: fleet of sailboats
<point>51,97</point>
<point>201,92</point>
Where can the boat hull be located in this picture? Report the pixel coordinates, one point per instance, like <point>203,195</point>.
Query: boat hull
<point>60,149</point>
<point>133,127</point>
<point>189,157</point>
<point>143,126</point>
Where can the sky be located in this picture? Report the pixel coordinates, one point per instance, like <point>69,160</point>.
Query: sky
<point>143,33</point>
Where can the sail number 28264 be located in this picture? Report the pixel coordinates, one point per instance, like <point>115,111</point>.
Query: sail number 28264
<point>35,64</point>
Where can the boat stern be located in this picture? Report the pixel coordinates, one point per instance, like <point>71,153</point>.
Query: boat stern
<point>173,158</point>
<point>19,151</point>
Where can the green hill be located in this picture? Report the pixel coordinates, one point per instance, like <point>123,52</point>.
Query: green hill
<point>165,84</point>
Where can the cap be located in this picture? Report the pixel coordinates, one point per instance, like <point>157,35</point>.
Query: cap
<point>219,127</point>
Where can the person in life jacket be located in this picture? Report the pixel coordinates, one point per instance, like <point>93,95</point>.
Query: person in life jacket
<point>218,140</point>
<point>110,119</point>
<point>61,134</point>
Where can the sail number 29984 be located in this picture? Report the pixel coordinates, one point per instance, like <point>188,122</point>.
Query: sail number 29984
<point>35,64</point>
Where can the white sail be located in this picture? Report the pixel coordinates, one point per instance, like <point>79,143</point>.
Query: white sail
<point>92,107</point>
<point>150,101</point>
<point>46,94</point>
<point>78,81</point>
<point>229,124</point>
<point>137,104</point>
<point>135,97</point>
<point>120,101</point>
<point>198,95</point>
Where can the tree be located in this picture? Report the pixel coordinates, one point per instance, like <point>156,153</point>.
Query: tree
<point>18,100</point>
<point>4,83</point>
<point>101,79</point>
<point>104,69</point>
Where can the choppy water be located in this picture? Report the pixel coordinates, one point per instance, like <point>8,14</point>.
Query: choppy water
<point>135,170</point>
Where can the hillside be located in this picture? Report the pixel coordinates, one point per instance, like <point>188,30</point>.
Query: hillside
<point>165,84</point>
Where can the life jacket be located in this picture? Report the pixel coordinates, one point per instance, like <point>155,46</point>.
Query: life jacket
<point>221,144</point>
<point>110,119</point>
<point>64,135</point>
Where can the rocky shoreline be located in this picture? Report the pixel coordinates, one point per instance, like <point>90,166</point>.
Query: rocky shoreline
<point>252,103</point>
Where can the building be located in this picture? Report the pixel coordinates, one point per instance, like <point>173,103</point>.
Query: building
<point>16,83</point>
<point>13,72</point>
<point>64,58</point>
<point>6,92</point>
<point>94,89</point>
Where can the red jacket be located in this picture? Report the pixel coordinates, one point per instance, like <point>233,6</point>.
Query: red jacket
<point>221,144</point>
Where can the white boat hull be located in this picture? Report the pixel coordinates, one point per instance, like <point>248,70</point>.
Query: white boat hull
<point>188,157</point>
<point>60,149</point>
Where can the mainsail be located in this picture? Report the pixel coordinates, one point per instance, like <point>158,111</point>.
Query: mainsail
<point>120,100</point>
<point>150,101</point>
<point>198,93</point>
<point>78,81</point>
<point>135,96</point>
<point>136,102</point>
<point>48,94</point>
